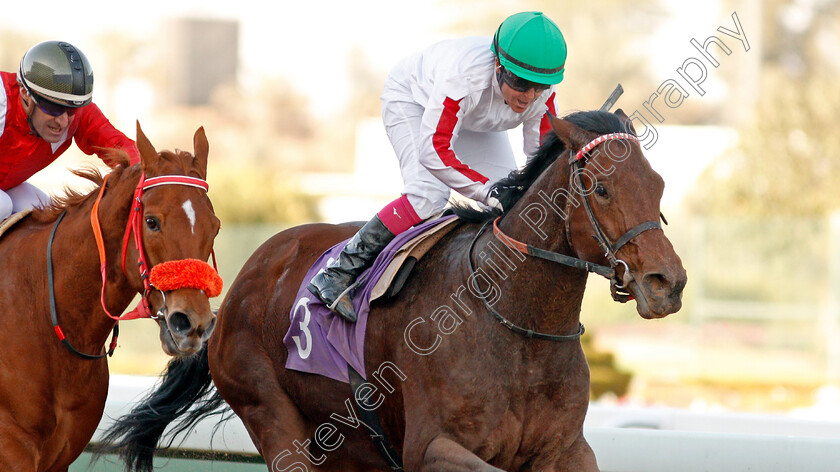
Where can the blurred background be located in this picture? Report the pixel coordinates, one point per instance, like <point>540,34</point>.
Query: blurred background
<point>288,93</point>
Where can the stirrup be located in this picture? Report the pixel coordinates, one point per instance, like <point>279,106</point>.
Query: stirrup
<point>345,310</point>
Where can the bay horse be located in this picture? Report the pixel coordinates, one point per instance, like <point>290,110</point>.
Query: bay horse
<point>476,364</point>
<point>64,278</point>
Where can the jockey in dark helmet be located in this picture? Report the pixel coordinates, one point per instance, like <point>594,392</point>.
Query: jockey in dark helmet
<point>43,108</point>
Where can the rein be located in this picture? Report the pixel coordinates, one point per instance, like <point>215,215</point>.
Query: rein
<point>54,313</point>
<point>570,261</point>
<point>528,333</point>
<point>167,276</point>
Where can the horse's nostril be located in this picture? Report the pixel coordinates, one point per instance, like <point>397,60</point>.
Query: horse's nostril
<point>658,284</point>
<point>179,323</point>
<point>665,286</point>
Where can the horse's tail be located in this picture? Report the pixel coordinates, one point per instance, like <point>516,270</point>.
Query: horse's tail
<point>185,390</point>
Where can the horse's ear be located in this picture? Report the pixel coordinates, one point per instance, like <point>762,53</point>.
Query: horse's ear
<point>570,134</point>
<point>626,120</point>
<point>202,149</point>
<point>148,154</point>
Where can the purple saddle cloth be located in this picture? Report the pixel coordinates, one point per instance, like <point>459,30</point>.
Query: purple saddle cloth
<point>320,342</point>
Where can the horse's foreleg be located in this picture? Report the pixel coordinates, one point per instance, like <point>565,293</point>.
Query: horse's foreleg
<point>274,427</point>
<point>271,418</point>
<point>248,383</point>
<point>578,458</point>
<point>17,452</point>
<point>445,455</point>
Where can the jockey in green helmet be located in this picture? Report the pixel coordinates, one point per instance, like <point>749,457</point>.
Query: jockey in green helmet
<point>446,111</point>
<point>530,48</point>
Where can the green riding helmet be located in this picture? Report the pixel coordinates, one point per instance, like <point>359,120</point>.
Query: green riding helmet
<point>531,46</point>
<point>58,72</point>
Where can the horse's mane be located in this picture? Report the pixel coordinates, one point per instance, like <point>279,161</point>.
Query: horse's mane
<point>73,197</point>
<point>511,188</point>
<point>181,159</point>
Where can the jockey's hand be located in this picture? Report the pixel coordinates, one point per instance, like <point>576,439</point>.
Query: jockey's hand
<point>490,199</point>
<point>494,203</point>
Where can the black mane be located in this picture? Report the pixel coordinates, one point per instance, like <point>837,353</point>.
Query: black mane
<point>511,188</point>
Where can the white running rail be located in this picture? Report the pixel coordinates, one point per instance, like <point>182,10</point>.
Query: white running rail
<point>625,439</point>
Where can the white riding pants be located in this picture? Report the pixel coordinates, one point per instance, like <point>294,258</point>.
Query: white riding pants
<point>20,198</point>
<point>489,153</point>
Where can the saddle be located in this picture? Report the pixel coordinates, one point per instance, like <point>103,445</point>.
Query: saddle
<point>10,221</point>
<point>394,277</point>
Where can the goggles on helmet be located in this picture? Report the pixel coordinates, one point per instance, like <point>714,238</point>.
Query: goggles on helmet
<point>50,108</point>
<point>519,84</point>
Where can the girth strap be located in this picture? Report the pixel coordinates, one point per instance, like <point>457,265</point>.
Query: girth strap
<point>371,420</point>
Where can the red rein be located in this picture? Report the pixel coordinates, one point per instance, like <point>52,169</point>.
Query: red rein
<point>167,276</point>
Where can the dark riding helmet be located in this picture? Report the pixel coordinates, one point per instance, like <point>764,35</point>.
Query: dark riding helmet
<point>57,72</point>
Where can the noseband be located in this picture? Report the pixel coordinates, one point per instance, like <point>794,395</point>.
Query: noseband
<point>618,290</point>
<point>170,275</point>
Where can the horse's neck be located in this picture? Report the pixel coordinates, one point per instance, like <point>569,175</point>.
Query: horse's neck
<point>83,317</point>
<point>541,295</point>
<point>532,293</point>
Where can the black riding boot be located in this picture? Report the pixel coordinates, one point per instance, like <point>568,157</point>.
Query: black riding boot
<point>331,282</point>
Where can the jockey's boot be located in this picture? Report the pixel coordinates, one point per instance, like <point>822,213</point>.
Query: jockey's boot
<point>331,283</point>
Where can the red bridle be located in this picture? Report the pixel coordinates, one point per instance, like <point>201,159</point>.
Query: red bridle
<point>167,276</point>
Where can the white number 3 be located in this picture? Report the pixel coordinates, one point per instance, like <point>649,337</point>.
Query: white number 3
<point>304,353</point>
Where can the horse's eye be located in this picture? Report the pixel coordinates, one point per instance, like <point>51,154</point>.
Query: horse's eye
<point>600,190</point>
<point>153,223</point>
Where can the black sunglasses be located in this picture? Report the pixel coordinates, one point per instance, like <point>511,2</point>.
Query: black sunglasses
<point>52,109</point>
<point>519,84</point>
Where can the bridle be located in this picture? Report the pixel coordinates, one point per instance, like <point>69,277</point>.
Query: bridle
<point>157,279</point>
<point>618,289</point>
<point>135,227</point>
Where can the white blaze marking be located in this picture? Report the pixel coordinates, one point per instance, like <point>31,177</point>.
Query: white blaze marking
<point>188,209</point>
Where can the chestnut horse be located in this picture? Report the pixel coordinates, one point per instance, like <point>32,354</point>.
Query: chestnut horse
<point>476,364</point>
<point>55,308</point>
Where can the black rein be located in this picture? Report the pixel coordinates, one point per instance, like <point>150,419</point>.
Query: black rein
<point>54,314</point>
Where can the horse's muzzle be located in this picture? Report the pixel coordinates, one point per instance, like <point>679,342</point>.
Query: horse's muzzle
<point>659,294</point>
<point>187,322</point>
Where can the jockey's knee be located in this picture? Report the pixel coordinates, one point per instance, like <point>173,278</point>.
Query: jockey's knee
<point>26,196</point>
<point>428,205</point>
<point>5,205</point>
